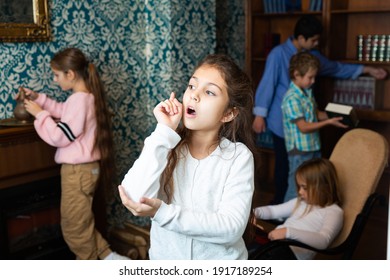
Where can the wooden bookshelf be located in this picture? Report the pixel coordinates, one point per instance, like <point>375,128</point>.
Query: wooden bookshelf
<point>343,21</point>
<point>374,115</point>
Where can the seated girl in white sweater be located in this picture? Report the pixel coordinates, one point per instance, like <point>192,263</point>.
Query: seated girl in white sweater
<point>314,217</point>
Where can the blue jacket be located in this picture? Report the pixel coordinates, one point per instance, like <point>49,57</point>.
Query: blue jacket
<point>275,82</point>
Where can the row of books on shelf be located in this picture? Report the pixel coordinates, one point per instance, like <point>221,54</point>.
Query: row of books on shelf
<point>373,47</point>
<point>363,92</point>
<point>283,6</point>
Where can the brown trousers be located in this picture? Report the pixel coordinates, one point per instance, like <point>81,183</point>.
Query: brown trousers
<point>78,184</point>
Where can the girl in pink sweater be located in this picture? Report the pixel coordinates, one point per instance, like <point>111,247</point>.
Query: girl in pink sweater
<point>80,129</point>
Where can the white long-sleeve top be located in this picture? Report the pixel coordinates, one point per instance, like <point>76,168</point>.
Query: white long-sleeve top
<point>211,200</point>
<point>316,228</point>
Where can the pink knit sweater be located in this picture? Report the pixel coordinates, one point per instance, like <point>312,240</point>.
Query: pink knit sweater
<point>70,126</point>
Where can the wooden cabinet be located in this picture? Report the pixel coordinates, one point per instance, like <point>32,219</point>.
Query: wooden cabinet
<point>24,157</point>
<point>30,191</point>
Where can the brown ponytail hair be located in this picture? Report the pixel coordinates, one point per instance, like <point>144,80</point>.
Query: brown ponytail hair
<point>74,59</point>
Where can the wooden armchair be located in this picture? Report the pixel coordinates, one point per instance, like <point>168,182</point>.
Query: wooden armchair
<point>360,157</point>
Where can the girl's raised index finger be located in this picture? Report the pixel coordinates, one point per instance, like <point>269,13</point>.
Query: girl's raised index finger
<point>172,96</point>
<point>175,102</point>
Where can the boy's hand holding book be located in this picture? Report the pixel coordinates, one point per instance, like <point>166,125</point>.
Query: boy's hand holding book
<point>342,113</point>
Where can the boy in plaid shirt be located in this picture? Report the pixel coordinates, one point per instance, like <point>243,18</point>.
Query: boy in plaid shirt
<point>301,118</point>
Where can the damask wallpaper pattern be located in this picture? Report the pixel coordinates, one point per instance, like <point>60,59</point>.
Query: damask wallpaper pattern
<point>143,49</point>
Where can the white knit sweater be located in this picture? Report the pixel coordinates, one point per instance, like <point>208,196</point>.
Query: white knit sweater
<point>317,228</point>
<point>211,201</point>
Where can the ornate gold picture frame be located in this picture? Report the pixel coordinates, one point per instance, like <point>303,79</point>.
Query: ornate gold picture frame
<point>24,21</point>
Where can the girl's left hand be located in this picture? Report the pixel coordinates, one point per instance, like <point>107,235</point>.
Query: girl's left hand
<point>32,107</point>
<point>279,233</point>
<point>147,207</point>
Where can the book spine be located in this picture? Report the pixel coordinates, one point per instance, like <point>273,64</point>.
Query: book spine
<point>362,96</point>
<point>281,6</point>
<point>344,91</point>
<point>365,92</point>
<point>374,47</point>
<point>271,6</point>
<point>355,95</point>
<point>265,5</point>
<point>294,5</point>
<point>319,5</point>
<point>348,92</point>
<point>387,56</point>
<point>305,5</point>
<point>276,6</point>
<point>341,88</point>
<point>336,92</point>
<point>369,88</point>
<point>312,5</point>
<point>367,48</point>
<point>382,48</point>
<point>360,45</point>
<point>284,8</point>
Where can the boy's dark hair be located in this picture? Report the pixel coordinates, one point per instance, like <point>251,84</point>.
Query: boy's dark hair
<point>302,62</point>
<point>308,26</point>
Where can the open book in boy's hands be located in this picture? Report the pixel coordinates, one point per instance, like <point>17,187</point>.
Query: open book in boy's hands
<point>340,110</point>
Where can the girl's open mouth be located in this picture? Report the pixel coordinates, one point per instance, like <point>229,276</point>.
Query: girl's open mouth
<point>191,111</point>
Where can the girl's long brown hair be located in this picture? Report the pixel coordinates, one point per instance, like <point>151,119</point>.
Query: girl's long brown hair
<point>75,60</point>
<point>321,181</point>
<point>240,93</point>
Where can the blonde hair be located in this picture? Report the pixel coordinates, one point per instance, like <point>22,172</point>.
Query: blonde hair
<point>302,62</point>
<point>321,181</point>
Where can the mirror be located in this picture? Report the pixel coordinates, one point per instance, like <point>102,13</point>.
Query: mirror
<point>24,21</point>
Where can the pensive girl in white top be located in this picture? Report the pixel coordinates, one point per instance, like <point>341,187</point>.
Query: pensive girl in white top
<point>195,175</point>
<point>314,217</point>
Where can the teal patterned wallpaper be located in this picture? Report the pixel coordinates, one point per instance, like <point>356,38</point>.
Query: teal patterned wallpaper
<point>143,49</point>
<point>230,20</point>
